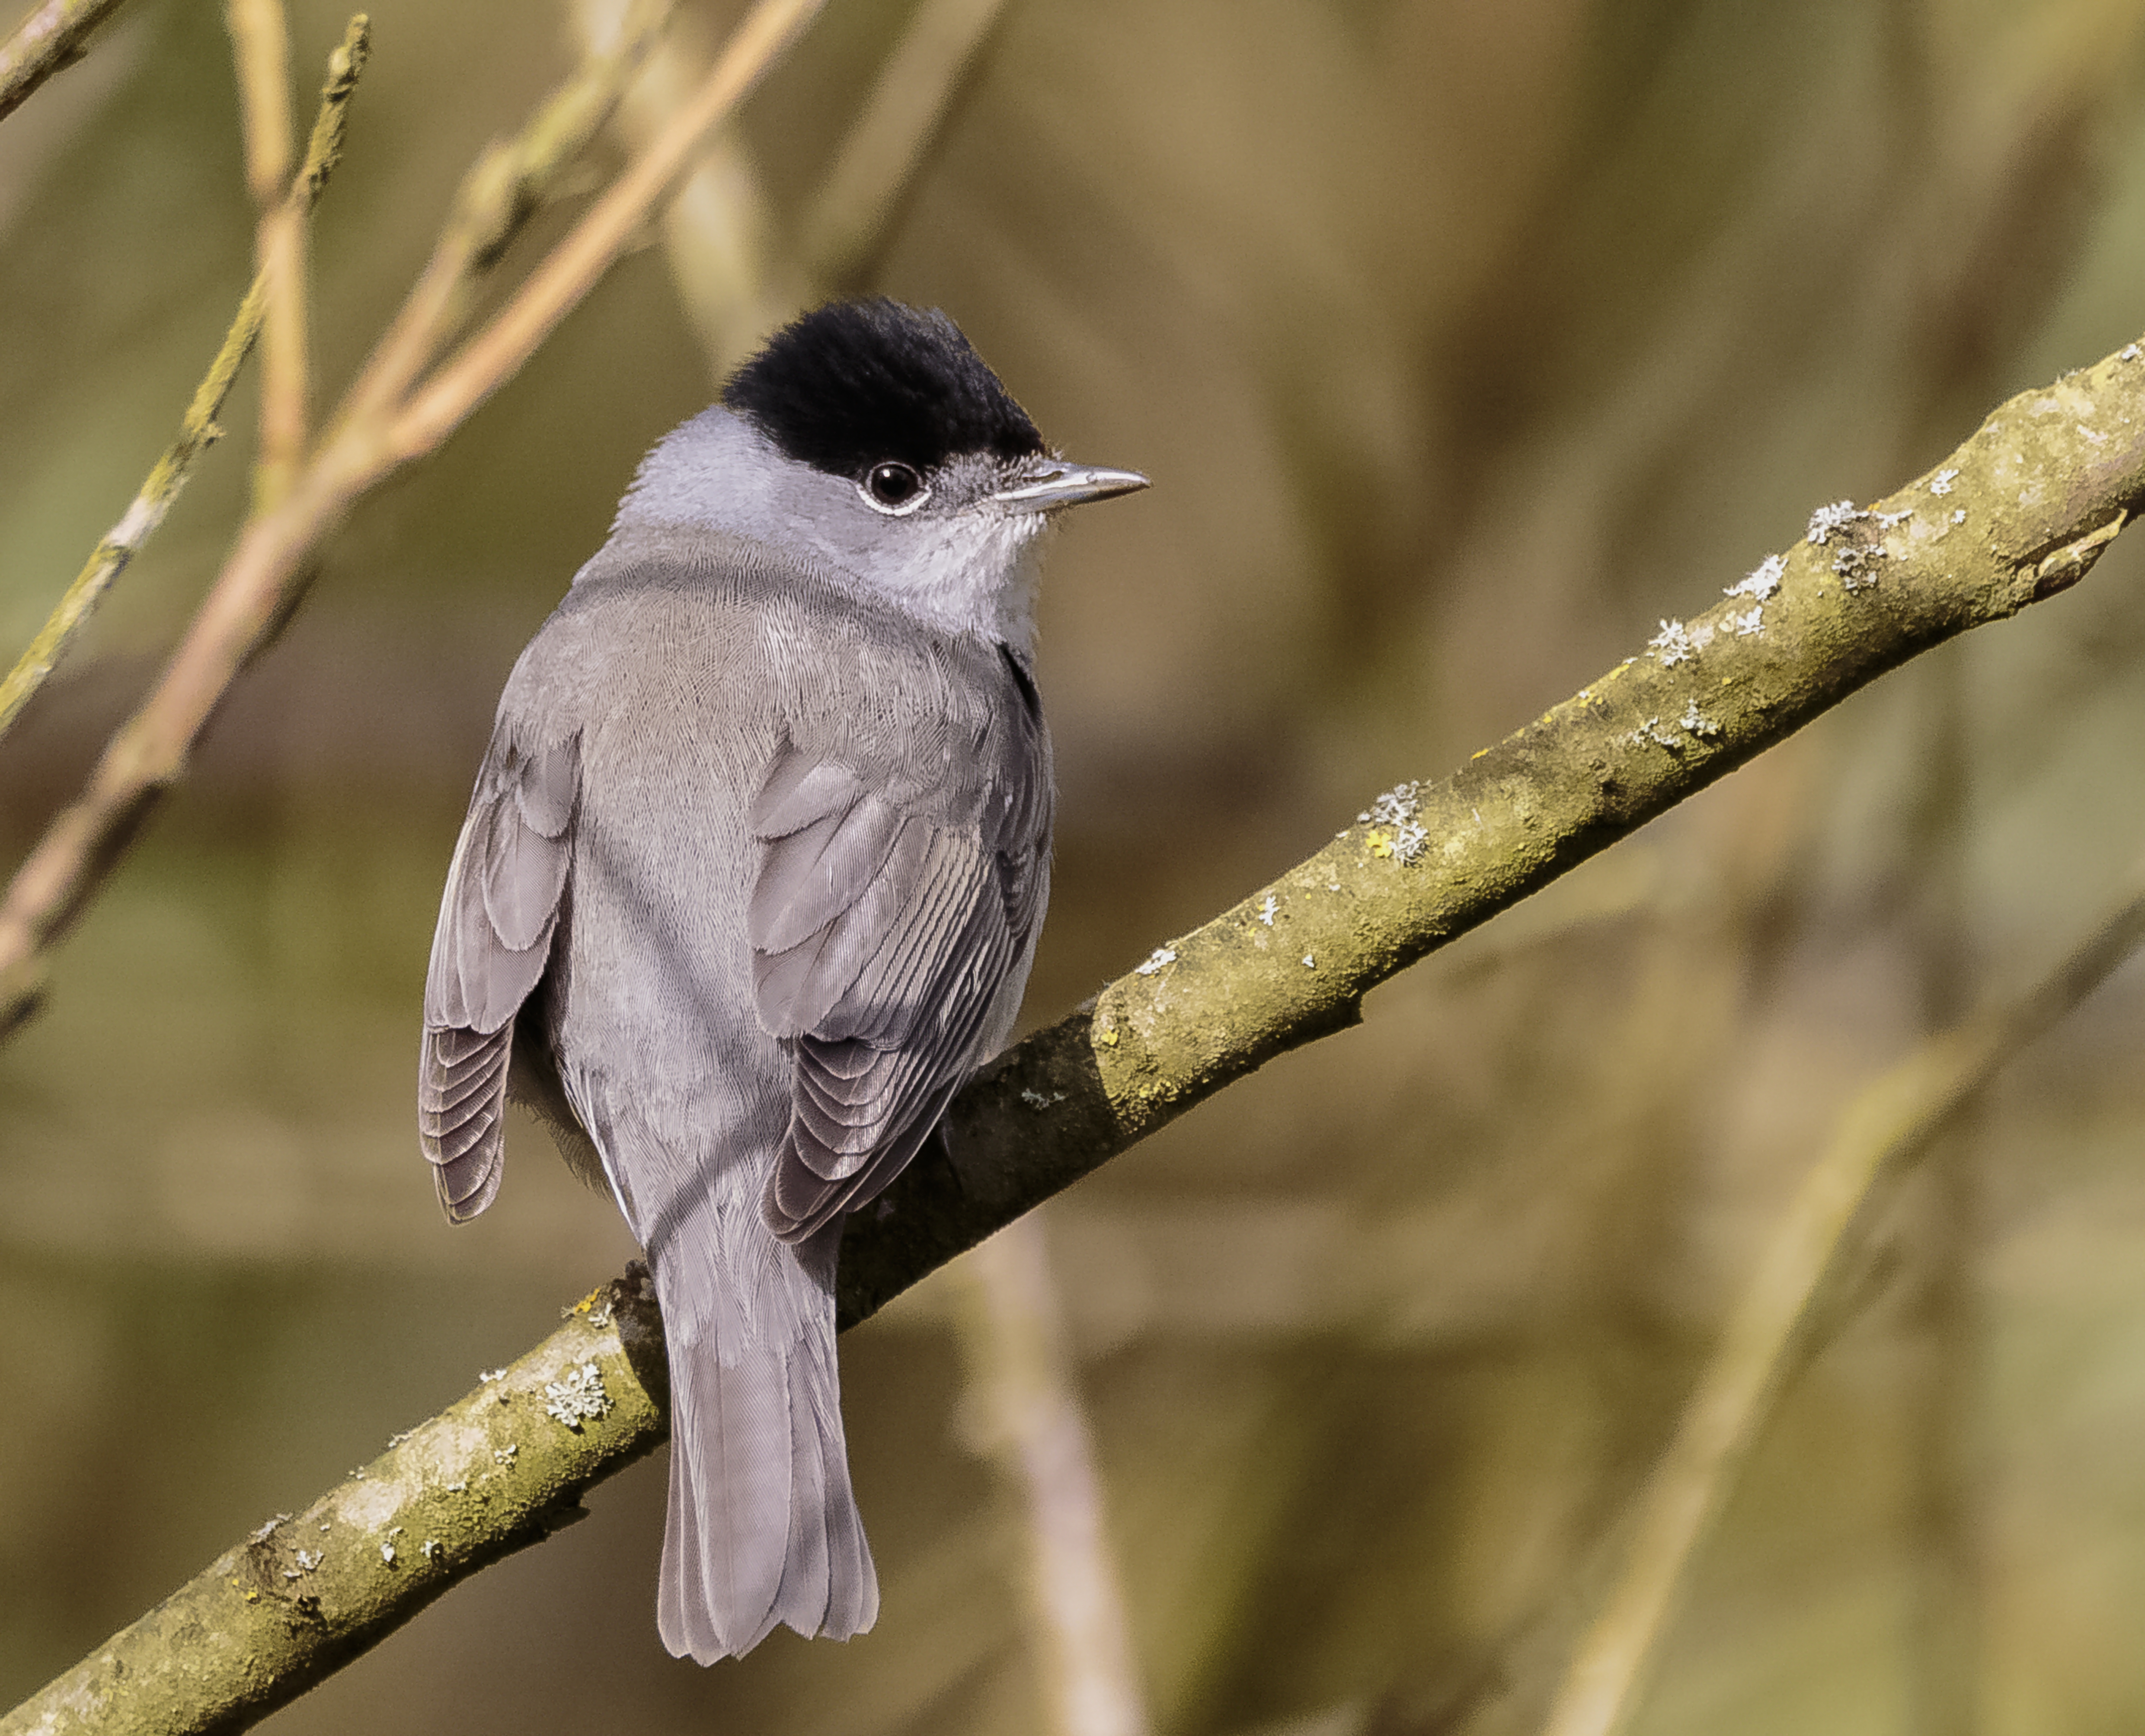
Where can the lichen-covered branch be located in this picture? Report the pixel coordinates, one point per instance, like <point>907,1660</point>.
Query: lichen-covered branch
<point>305,1593</point>
<point>2020,512</point>
<point>51,37</point>
<point>198,428</point>
<point>1889,1124</point>
<point>387,419</point>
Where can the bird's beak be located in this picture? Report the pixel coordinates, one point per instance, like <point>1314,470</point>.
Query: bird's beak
<point>1050,483</point>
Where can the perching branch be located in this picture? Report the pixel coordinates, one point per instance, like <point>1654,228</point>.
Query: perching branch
<point>53,36</point>
<point>1890,1123</point>
<point>2022,510</point>
<point>392,414</point>
<point>198,429</point>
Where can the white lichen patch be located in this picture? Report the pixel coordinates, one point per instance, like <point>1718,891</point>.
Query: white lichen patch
<point>485,1376</point>
<point>1409,840</point>
<point>1156,960</point>
<point>2128,352</point>
<point>577,1399</point>
<point>1310,963</point>
<point>1856,564</point>
<point>506,1455</point>
<point>429,1548</point>
<point>1958,516</point>
<point>1764,580</point>
<point>1651,732</point>
<point>1749,624</point>
<point>1828,521</point>
<point>1397,807</point>
<point>1673,644</point>
<point>1891,520</point>
<point>1696,721</point>
<point>1269,909</point>
<point>1038,1100</point>
<point>387,1554</point>
<point>1940,484</point>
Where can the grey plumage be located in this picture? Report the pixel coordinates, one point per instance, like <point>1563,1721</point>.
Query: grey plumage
<point>754,867</point>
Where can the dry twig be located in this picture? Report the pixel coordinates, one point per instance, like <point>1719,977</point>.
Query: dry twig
<point>55,35</point>
<point>261,41</point>
<point>391,415</point>
<point>1021,1382</point>
<point>198,429</point>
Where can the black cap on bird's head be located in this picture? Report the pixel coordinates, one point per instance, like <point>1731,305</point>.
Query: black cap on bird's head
<point>853,384</point>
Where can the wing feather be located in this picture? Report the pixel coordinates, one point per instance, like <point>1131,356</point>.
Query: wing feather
<point>505,891</point>
<point>884,930</point>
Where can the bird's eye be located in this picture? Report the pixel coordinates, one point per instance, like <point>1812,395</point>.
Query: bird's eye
<point>894,487</point>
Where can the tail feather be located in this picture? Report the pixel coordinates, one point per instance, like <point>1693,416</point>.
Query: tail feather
<point>763,1528</point>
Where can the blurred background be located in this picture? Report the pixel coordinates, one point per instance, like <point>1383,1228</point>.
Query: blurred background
<point>1463,341</point>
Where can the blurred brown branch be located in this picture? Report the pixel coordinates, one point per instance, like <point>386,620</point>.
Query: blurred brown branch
<point>2021,511</point>
<point>391,415</point>
<point>51,37</point>
<point>260,42</point>
<point>892,138</point>
<point>1030,1420</point>
<point>198,429</point>
<point>1890,1123</point>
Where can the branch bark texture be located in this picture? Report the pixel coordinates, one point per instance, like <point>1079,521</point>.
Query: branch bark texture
<point>54,35</point>
<point>2020,512</point>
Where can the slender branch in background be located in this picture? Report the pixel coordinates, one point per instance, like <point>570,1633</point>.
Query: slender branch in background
<point>1030,1421</point>
<point>1943,1394</point>
<point>1889,1124</point>
<point>556,286</point>
<point>261,51</point>
<point>53,36</point>
<point>847,227</point>
<point>198,429</point>
<point>2044,492</point>
<point>370,437</point>
<point>734,283</point>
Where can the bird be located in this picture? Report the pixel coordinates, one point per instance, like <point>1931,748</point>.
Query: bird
<point>750,884</point>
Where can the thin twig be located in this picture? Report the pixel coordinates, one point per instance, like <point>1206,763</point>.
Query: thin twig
<point>261,43</point>
<point>734,284</point>
<point>1888,1125</point>
<point>892,137</point>
<point>372,435</point>
<point>53,36</point>
<point>198,428</point>
<point>1032,1421</point>
<point>557,285</point>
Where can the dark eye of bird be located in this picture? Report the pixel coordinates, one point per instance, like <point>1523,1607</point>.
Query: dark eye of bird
<point>893,484</point>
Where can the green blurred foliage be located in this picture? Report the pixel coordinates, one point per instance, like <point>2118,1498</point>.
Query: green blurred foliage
<point>1463,341</point>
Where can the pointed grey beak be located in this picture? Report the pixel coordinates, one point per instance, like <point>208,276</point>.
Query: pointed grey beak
<point>1050,483</point>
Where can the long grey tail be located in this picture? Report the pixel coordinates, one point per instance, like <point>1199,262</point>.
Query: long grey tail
<point>763,1525</point>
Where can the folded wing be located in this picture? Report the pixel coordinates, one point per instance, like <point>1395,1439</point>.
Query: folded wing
<point>497,918</point>
<point>883,934</point>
